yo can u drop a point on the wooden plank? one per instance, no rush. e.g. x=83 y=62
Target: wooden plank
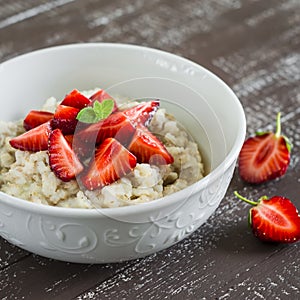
x=254 y=46
x=10 y=254
x=35 y=277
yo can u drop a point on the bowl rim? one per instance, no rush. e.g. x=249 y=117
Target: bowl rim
x=141 y=207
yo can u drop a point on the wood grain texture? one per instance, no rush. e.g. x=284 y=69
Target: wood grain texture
x=254 y=46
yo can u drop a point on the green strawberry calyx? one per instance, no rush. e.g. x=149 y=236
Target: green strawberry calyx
x=254 y=203
x=277 y=134
x=251 y=202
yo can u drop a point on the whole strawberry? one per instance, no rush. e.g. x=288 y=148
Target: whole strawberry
x=274 y=219
x=265 y=156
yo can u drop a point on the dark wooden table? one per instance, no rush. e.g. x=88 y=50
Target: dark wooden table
x=254 y=46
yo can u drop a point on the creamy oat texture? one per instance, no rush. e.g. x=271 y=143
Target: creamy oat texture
x=28 y=176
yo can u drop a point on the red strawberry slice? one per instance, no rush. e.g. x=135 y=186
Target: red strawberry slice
x=143 y=112
x=274 y=220
x=69 y=138
x=65 y=119
x=62 y=159
x=35 y=118
x=148 y=148
x=265 y=156
x=81 y=149
x=34 y=140
x=115 y=125
x=101 y=95
x=76 y=99
x=120 y=125
x=111 y=162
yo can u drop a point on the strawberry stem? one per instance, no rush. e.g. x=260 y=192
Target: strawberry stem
x=245 y=199
x=278 y=125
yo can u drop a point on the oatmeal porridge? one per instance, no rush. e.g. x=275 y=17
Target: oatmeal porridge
x=29 y=174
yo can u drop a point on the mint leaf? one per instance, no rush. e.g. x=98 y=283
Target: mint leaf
x=98 y=112
x=87 y=115
x=103 y=109
x=97 y=107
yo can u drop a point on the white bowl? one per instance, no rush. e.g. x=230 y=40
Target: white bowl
x=201 y=101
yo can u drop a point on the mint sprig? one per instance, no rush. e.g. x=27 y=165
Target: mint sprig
x=97 y=112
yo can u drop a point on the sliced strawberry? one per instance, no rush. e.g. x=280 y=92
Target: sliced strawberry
x=34 y=140
x=35 y=118
x=76 y=99
x=65 y=119
x=264 y=157
x=102 y=95
x=143 y=112
x=148 y=148
x=116 y=125
x=69 y=138
x=120 y=125
x=274 y=220
x=111 y=162
x=62 y=159
x=81 y=149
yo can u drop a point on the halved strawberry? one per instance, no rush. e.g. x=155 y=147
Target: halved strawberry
x=143 y=112
x=148 y=148
x=34 y=140
x=111 y=162
x=35 y=118
x=274 y=220
x=62 y=159
x=116 y=125
x=265 y=156
x=76 y=99
x=101 y=95
x=65 y=119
